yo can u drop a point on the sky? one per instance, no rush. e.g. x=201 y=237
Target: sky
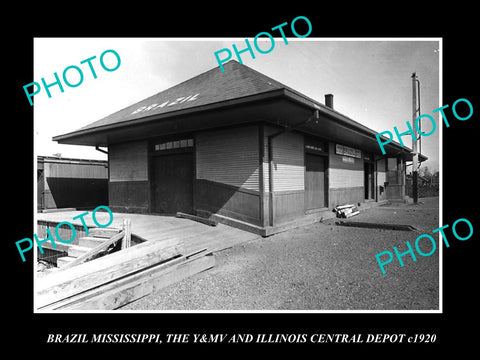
x=369 y=78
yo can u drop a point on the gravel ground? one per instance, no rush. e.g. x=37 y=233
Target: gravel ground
x=317 y=267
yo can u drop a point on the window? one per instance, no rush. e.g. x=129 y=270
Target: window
x=315 y=146
x=177 y=144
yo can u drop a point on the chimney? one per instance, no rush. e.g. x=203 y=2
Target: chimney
x=329 y=100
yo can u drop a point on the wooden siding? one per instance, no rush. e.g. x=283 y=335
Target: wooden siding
x=266 y=175
x=67 y=182
x=77 y=193
x=346 y=196
x=342 y=178
x=84 y=171
x=288 y=205
x=344 y=174
x=227 y=200
x=288 y=176
x=288 y=161
x=229 y=156
x=128 y=161
x=129 y=196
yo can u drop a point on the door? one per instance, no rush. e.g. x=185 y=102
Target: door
x=315 y=182
x=173 y=183
x=368 y=180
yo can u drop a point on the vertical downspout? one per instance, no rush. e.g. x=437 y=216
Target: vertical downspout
x=270 y=174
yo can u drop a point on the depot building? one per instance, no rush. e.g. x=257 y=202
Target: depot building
x=242 y=148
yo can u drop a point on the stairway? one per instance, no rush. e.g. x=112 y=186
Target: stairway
x=86 y=243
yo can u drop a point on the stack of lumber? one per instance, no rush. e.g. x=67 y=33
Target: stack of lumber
x=346 y=211
x=90 y=246
x=117 y=279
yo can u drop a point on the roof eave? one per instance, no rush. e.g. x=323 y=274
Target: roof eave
x=344 y=120
x=208 y=107
x=290 y=94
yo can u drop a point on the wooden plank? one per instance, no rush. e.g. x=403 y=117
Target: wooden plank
x=197 y=218
x=200 y=232
x=104 y=232
x=85 y=296
x=77 y=250
x=83 y=258
x=131 y=288
x=142 y=251
x=63 y=284
x=46 y=211
x=63 y=261
x=153 y=232
x=126 y=242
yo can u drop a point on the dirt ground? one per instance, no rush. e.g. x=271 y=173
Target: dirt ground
x=322 y=266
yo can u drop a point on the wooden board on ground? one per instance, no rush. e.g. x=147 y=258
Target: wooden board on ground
x=123 y=291
x=63 y=284
x=197 y=218
x=92 y=252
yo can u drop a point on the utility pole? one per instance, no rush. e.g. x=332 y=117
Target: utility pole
x=415 y=108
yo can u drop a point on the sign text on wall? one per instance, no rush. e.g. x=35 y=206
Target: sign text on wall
x=347 y=151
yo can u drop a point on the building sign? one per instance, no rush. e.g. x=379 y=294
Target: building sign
x=347 y=159
x=166 y=103
x=348 y=151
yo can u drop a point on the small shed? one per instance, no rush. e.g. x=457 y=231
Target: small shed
x=71 y=183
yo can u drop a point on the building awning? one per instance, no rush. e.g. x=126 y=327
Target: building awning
x=239 y=95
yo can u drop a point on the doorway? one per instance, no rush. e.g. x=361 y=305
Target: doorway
x=368 y=180
x=315 y=182
x=172 y=177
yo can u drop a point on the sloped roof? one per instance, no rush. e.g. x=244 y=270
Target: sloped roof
x=210 y=87
x=212 y=90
